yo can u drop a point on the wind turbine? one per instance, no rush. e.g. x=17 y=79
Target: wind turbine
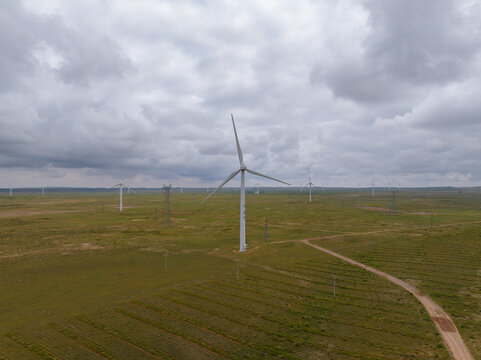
x=242 y=170
x=121 y=186
x=257 y=190
x=309 y=184
x=372 y=188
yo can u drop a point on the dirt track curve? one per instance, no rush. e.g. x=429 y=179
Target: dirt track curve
x=443 y=322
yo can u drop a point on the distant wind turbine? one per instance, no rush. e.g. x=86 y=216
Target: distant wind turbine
x=10 y=191
x=372 y=188
x=310 y=185
x=243 y=168
x=121 y=187
x=257 y=190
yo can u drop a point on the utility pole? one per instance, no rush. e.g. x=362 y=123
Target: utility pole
x=166 y=214
x=393 y=206
x=266 y=231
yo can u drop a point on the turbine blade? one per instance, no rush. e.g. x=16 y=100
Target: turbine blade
x=268 y=177
x=239 y=151
x=223 y=183
x=113 y=187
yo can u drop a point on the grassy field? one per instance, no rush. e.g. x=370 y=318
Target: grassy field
x=78 y=280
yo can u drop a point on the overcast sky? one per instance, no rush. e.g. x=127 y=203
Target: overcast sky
x=93 y=92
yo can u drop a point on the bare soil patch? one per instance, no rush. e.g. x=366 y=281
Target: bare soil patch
x=374 y=208
x=445 y=324
x=89 y=246
x=31 y=213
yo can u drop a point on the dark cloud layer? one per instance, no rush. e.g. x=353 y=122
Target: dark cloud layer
x=408 y=45
x=95 y=91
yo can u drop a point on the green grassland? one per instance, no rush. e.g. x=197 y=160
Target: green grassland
x=79 y=280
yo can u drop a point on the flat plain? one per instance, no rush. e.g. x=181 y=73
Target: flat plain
x=79 y=280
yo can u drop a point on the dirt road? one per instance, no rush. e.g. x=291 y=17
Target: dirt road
x=443 y=322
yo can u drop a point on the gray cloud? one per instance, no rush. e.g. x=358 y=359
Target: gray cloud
x=92 y=91
x=408 y=44
x=16 y=40
x=424 y=42
x=88 y=61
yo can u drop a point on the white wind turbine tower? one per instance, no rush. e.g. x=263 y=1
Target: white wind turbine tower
x=372 y=188
x=257 y=190
x=310 y=185
x=243 y=168
x=121 y=186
